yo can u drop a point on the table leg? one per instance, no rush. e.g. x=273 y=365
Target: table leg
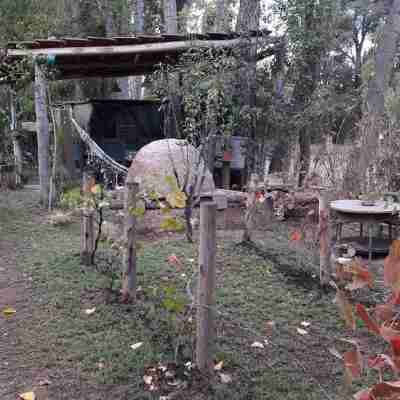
x=361 y=231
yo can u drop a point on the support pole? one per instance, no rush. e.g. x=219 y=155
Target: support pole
x=43 y=134
x=129 y=280
x=226 y=175
x=87 y=224
x=324 y=239
x=206 y=287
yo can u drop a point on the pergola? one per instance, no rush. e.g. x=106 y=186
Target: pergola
x=103 y=57
x=80 y=58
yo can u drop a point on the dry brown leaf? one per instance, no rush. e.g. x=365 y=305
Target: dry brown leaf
x=218 y=367
x=225 y=378
x=27 y=396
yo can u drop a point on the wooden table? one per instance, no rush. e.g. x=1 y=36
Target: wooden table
x=353 y=211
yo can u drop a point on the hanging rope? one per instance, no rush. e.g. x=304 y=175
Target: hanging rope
x=94 y=148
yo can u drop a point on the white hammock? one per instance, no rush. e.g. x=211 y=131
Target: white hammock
x=94 y=148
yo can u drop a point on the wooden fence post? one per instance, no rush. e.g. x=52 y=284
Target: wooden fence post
x=87 y=223
x=129 y=280
x=324 y=239
x=251 y=204
x=206 y=287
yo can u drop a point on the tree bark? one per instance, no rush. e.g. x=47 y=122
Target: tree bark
x=170 y=16
x=18 y=159
x=138 y=14
x=43 y=134
x=248 y=19
x=374 y=114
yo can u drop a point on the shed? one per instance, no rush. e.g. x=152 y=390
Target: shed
x=120 y=127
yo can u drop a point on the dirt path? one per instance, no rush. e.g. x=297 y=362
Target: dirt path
x=14 y=289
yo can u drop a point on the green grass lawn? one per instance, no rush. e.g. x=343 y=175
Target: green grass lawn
x=89 y=356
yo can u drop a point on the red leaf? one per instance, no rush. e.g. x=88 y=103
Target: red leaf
x=384 y=312
x=396 y=347
x=363 y=395
x=391 y=272
x=381 y=361
x=353 y=363
x=174 y=260
x=394 y=299
x=369 y=322
x=295 y=236
x=385 y=391
x=389 y=333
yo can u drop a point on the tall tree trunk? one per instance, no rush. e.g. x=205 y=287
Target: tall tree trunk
x=43 y=134
x=136 y=82
x=18 y=159
x=374 y=113
x=308 y=66
x=170 y=16
x=221 y=23
x=248 y=19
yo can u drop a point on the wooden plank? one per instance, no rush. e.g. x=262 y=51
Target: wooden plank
x=101 y=41
x=125 y=49
x=205 y=335
x=51 y=43
x=29 y=126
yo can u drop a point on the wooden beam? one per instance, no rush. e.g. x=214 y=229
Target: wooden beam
x=125 y=49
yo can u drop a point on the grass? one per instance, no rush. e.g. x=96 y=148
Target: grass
x=90 y=355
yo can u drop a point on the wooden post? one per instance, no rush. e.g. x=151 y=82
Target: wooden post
x=87 y=223
x=249 y=217
x=129 y=280
x=226 y=175
x=43 y=134
x=324 y=239
x=206 y=287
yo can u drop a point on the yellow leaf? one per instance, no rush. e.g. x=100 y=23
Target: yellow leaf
x=172 y=224
x=27 y=396
x=218 y=367
x=177 y=199
x=9 y=311
x=138 y=211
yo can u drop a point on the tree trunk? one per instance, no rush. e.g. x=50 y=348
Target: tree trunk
x=248 y=19
x=18 y=159
x=137 y=81
x=170 y=16
x=43 y=134
x=385 y=54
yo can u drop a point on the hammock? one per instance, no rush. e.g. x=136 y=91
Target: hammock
x=95 y=149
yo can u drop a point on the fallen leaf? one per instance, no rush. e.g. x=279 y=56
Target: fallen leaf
x=174 y=260
x=27 y=396
x=225 y=378
x=305 y=324
x=335 y=353
x=385 y=391
x=44 y=382
x=9 y=311
x=302 y=331
x=218 y=367
x=380 y=361
x=258 y=345
x=90 y=311
x=295 y=236
x=148 y=379
x=136 y=345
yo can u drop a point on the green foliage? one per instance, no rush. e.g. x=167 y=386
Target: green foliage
x=71 y=199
